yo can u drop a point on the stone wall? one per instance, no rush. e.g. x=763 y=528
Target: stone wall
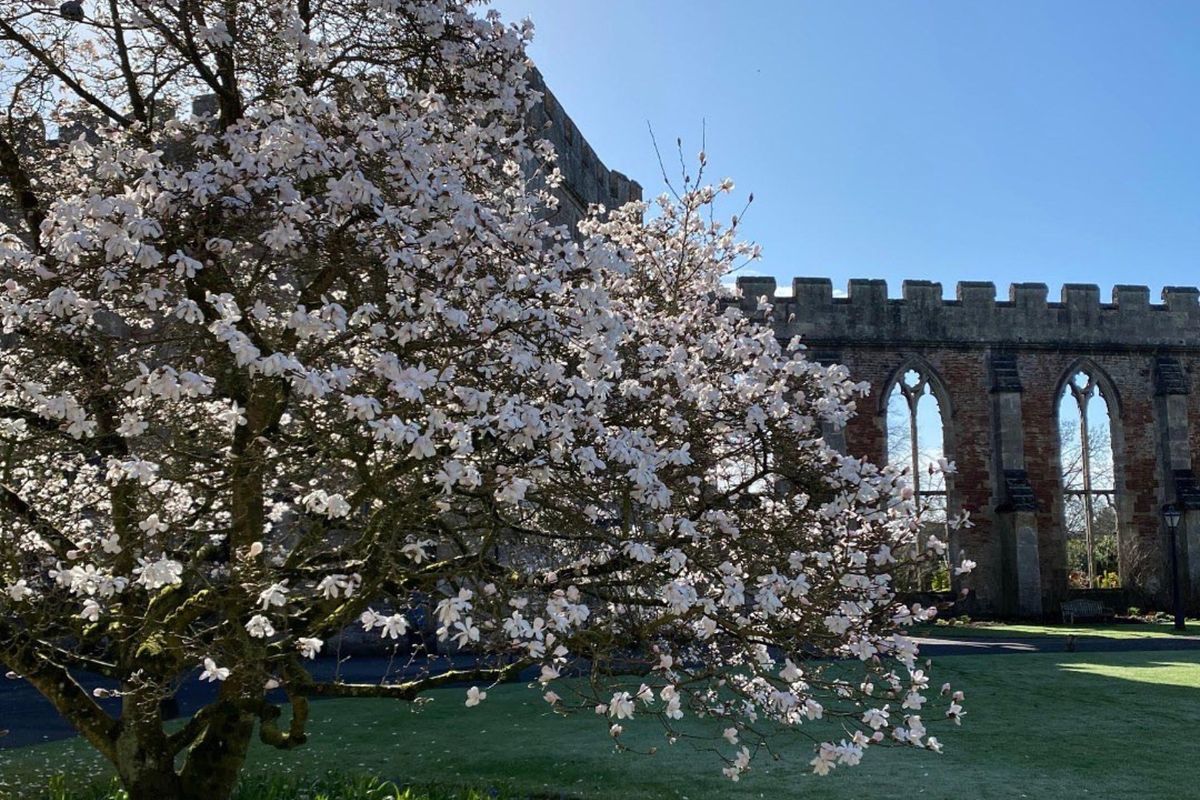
x=999 y=368
x=586 y=181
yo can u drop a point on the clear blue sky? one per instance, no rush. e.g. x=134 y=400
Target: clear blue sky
x=957 y=140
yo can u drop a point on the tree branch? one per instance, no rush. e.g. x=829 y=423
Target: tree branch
x=16 y=505
x=57 y=684
x=409 y=690
x=40 y=55
x=268 y=728
x=136 y=101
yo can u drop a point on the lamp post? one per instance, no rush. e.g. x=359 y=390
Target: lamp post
x=1171 y=515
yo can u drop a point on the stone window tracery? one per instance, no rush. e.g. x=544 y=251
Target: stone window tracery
x=1089 y=492
x=916 y=443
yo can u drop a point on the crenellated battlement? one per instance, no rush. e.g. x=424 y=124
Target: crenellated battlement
x=977 y=317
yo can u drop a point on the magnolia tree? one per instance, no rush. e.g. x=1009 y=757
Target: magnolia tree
x=315 y=358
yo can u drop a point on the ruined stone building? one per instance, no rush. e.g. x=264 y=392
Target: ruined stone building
x=1005 y=374
x=992 y=383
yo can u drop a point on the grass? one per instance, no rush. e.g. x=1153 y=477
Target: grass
x=1038 y=725
x=338 y=786
x=332 y=786
x=1129 y=631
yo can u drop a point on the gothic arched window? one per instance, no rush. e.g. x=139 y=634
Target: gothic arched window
x=916 y=443
x=1089 y=489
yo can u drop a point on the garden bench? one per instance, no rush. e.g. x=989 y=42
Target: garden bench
x=1084 y=608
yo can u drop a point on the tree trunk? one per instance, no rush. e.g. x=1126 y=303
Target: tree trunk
x=143 y=762
x=214 y=761
x=149 y=781
x=146 y=764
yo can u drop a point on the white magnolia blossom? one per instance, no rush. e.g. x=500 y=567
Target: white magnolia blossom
x=309 y=646
x=152 y=525
x=317 y=347
x=621 y=706
x=212 y=672
x=393 y=626
x=260 y=627
x=274 y=595
x=161 y=572
x=91 y=610
x=333 y=586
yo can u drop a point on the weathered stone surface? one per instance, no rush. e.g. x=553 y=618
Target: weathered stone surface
x=586 y=181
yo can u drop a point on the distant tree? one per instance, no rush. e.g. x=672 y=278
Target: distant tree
x=1100 y=479
x=272 y=370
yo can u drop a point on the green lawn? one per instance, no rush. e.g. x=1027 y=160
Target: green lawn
x=1044 y=725
x=976 y=630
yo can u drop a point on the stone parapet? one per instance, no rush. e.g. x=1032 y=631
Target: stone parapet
x=976 y=317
